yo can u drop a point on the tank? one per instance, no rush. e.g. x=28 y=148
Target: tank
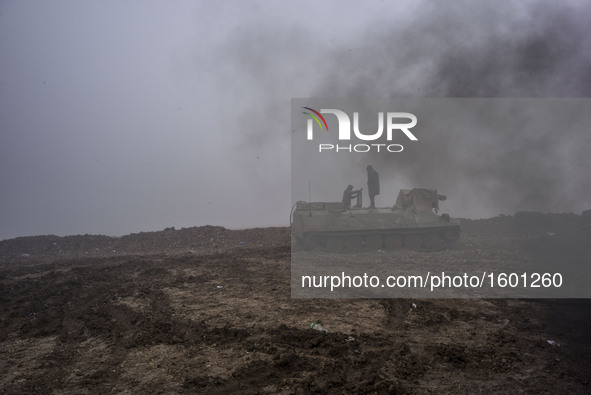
x=413 y=223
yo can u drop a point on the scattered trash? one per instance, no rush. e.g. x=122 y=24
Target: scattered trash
x=31 y=315
x=318 y=327
x=350 y=339
x=553 y=343
x=220 y=287
x=242 y=242
x=25 y=255
x=414 y=306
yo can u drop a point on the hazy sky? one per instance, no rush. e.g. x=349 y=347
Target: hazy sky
x=128 y=116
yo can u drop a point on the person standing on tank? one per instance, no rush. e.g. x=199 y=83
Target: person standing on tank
x=373 y=185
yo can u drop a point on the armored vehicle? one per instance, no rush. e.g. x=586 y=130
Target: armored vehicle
x=411 y=223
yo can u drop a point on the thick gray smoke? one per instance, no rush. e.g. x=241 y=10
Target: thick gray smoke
x=469 y=49
x=116 y=119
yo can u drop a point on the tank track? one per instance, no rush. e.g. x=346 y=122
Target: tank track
x=426 y=239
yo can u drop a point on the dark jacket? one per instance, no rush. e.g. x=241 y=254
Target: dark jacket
x=348 y=195
x=373 y=182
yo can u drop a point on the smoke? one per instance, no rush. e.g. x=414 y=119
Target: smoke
x=471 y=50
x=463 y=50
x=195 y=124
x=468 y=49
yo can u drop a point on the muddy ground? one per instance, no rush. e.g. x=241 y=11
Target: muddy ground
x=208 y=310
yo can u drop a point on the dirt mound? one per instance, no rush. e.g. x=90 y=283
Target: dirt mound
x=195 y=240
x=525 y=224
x=209 y=310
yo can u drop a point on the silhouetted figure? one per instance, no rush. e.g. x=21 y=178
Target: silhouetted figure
x=373 y=185
x=349 y=194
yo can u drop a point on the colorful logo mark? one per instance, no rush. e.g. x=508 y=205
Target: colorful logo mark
x=315 y=117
